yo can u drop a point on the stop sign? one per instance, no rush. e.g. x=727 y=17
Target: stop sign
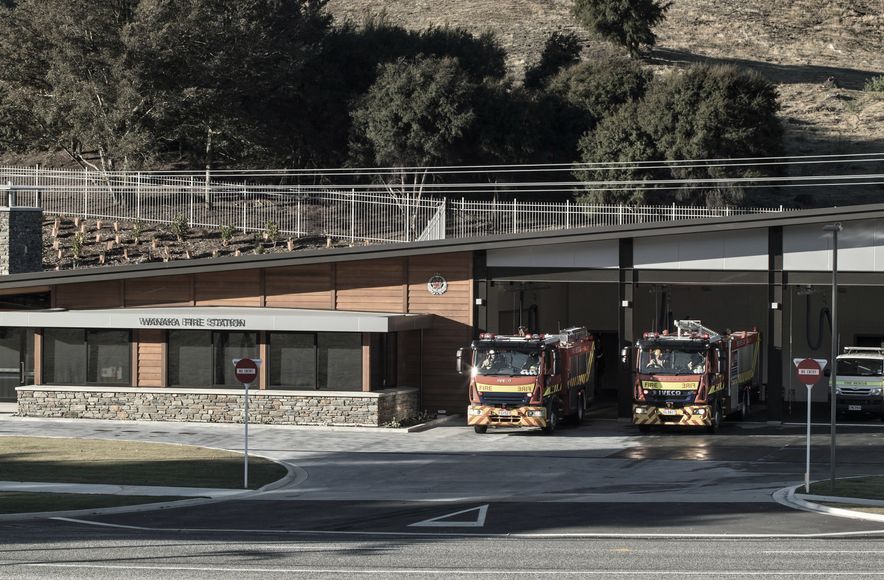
x=809 y=371
x=246 y=371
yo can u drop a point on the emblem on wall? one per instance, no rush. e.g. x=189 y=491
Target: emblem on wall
x=437 y=285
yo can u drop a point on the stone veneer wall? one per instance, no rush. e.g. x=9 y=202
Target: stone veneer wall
x=219 y=406
x=21 y=240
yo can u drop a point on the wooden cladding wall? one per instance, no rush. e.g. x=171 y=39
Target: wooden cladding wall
x=164 y=291
x=89 y=295
x=371 y=286
x=151 y=357
x=299 y=287
x=232 y=288
x=386 y=285
x=442 y=387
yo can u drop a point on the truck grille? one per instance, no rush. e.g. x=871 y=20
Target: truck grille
x=509 y=399
x=855 y=391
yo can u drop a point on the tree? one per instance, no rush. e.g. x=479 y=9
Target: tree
x=64 y=78
x=627 y=22
x=706 y=112
x=598 y=87
x=560 y=51
x=417 y=114
x=227 y=78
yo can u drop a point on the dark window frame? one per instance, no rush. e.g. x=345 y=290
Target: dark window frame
x=212 y=349
x=126 y=382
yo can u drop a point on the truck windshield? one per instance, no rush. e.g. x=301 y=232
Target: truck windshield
x=496 y=361
x=663 y=360
x=859 y=367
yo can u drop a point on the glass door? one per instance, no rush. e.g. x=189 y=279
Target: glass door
x=16 y=360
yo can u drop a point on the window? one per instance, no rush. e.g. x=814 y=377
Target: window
x=292 y=360
x=340 y=361
x=203 y=358
x=323 y=360
x=94 y=357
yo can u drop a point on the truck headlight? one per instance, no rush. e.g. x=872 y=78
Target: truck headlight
x=640 y=410
x=699 y=411
x=475 y=412
x=838 y=391
x=536 y=413
x=875 y=392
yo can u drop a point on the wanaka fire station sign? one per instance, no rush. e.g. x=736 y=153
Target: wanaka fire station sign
x=190 y=322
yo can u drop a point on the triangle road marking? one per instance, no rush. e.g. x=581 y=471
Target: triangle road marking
x=444 y=522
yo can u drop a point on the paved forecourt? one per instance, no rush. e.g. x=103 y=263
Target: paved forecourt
x=602 y=478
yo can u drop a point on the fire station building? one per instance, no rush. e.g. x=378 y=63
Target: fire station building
x=364 y=335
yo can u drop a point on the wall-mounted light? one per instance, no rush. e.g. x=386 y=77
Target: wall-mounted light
x=480 y=302
x=625 y=303
x=776 y=305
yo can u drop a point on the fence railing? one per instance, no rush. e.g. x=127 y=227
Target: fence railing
x=479 y=218
x=150 y=198
x=296 y=211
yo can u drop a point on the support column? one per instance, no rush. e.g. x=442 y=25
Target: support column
x=480 y=293
x=625 y=327
x=774 y=335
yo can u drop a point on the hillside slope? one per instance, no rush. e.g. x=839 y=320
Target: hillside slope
x=799 y=44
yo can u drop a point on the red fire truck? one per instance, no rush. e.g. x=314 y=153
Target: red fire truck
x=529 y=381
x=693 y=377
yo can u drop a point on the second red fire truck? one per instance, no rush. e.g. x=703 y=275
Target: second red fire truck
x=693 y=377
x=529 y=381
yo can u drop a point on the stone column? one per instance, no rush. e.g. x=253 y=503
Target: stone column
x=21 y=240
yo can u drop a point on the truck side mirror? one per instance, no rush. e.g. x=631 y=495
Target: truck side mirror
x=827 y=372
x=554 y=364
x=719 y=362
x=460 y=361
x=624 y=355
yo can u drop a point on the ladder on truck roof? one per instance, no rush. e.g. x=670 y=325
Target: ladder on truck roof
x=685 y=328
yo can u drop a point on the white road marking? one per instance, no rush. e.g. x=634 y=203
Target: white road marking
x=444 y=522
x=447 y=572
x=589 y=535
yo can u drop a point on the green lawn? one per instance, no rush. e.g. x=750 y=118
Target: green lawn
x=871 y=487
x=128 y=463
x=19 y=503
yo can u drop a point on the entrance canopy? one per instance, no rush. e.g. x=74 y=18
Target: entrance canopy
x=219 y=318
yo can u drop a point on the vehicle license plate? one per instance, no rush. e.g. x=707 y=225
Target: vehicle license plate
x=504 y=413
x=854 y=407
x=669 y=411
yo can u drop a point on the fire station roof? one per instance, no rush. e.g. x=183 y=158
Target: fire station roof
x=518 y=240
x=220 y=318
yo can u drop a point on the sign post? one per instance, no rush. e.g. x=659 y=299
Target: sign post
x=809 y=372
x=246 y=371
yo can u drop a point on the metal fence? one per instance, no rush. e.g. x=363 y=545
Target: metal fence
x=307 y=211
x=479 y=218
x=249 y=207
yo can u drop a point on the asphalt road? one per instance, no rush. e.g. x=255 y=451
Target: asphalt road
x=595 y=501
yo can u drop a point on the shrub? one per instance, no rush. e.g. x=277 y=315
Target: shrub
x=627 y=22
x=707 y=112
x=874 y=84
x=561 y=50
x=138 y=229
x=179 y=227
x=271 y=231
x=598 y=87
x=77 y=243
x=227 y=233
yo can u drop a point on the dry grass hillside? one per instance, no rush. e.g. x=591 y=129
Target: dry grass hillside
x=799 y=44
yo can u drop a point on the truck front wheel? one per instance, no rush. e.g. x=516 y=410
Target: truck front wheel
x=715 y=422
x=480 y=429
x=552 y=419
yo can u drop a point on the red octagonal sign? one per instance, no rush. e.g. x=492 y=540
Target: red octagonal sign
x=809 y=371
x=246 y=370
